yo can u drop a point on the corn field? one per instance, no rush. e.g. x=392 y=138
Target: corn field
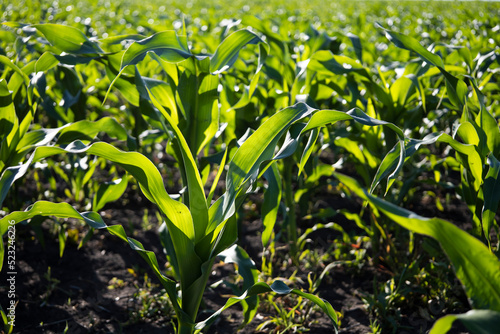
x=261 y=167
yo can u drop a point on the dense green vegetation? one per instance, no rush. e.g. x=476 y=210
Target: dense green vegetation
x=219 y=113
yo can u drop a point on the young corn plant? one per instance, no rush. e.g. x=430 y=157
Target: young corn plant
x=475 y=139
x=200 y=231
x=474 y=264
x=198 y=234
x=18 y=140
x=197 y=230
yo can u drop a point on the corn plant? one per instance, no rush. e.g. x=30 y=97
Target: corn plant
x=474 y=264
x=18 y=140
x=195 y=248
x=198 y=232
x=218 y=99
x=476 y=152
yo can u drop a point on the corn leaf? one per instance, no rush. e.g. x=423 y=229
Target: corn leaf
x=468 y=154
x=46 y=62
x=272 y=199
x=108 y=192
x=7 y=62
x=166 y=44
x=475 y=266
x=457 y=89
x=94 y=220
x=313 y=137
x=197 y=200
x=489 y=131
x=248 y=271
x=249 y=90
x=198 y=99
x=260 y=146
x=278 y=287
x=491 y=193
x=477 y=321
x=9 y=124
x=68 y=39
x=227 y=52
x=87 y=130
x=177 y=215
x=326 y=62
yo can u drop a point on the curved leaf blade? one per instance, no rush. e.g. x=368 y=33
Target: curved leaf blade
x=68 y=39
x=491 y=193
x=227 y=52
x=278 y=287
x=95 y=221
x=476 y=267
x=272 y=199
x=166 y=44
x=255 y=149
x=477 y=321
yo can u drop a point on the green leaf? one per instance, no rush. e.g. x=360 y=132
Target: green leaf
x=9 y=125
x=477 y=321
x=197 y=200
x=392 y=161
x=68 y=39
x=359 y=116
x=227 y=51
x=222 y=165
x=2 y=253
x=46 y=62
x=248 y=271
x=125 y=84
x=260 y=145
x=400 y=91
x=61 y=235
x=249 y=91
x=457 y=89
x=87 y=130
x=176 y=214
x=491 y=194
x=390 y=166
x=166 y=44
x=326 y=62
x=272 y=199
x=94 y=220
x=468 y=133
x=308 y=149
x=475 y=266
x=7 y=62
x=356 y=44
x=490 y=131
x=470 y=157
x=324 y=117
x=411 y=44
x=278 y=287
x=113 y=40
x=109 y=192
x=197 y=92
